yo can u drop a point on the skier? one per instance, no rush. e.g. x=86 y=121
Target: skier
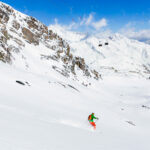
x=91 y=118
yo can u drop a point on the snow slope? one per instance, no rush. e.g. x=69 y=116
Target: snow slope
x=49 y=114
x=41 y=109
x=122 y=55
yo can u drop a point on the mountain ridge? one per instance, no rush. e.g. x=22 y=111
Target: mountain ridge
x=109 y=53
x=23 y=38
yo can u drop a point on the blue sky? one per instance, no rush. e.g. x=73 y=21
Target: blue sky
x=119 y=15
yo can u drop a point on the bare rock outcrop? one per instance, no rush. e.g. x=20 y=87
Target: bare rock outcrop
x=29 y=36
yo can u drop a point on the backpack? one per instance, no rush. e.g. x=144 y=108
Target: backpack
x=89 y=117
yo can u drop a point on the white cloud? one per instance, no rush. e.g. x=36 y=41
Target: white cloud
x=71 y=26
x=86 y=20
x=142 y=35
x=89 y=24
x=89 y=20
x=71 y=10
x=56 y=21
x=85 y=23
x=82 y=21
x=99 y=24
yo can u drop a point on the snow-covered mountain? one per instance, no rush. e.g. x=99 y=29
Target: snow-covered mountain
x=47 y=90
x=109 y=54
x=27 y=44
x=23 y=37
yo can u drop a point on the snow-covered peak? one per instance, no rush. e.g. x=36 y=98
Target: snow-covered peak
x=2 y=5
x=67 y=34
x=109 y=54
x=10 y=10
x=28 y=44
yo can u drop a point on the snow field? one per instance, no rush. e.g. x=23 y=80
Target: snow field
x=45 y=115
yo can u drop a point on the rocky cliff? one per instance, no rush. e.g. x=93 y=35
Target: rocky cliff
x=21 y=34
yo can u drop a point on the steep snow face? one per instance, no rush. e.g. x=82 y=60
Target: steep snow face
x=111 y=54
x=28 y=44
